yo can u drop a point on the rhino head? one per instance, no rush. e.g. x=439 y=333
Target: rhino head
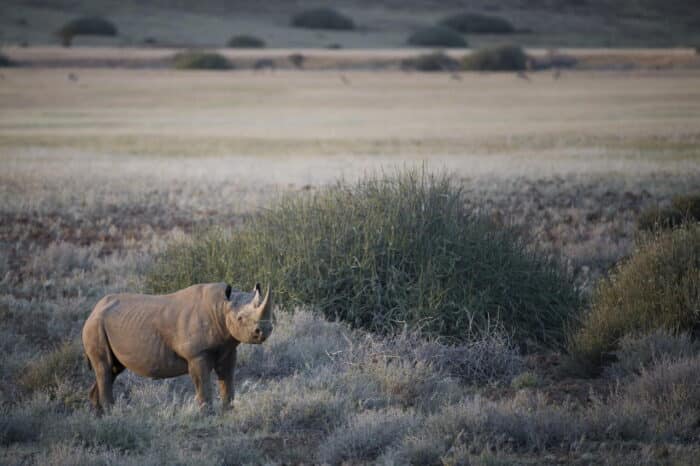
x=249 y=316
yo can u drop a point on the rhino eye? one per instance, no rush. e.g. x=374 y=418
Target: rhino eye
x=240 y=318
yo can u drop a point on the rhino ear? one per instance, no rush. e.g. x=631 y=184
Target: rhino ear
x=228 y=292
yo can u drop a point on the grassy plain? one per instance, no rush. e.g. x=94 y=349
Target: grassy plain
x=99 y=168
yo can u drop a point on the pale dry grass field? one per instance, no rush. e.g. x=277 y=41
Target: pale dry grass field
x=99 y=173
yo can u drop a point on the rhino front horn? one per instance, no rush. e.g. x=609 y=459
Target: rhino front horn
x=266 y=305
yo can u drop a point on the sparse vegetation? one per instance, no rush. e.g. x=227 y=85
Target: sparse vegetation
x=195 y=60
x=476 y=23
x=436 y=61
x=391 y=250
x=86 y=26
x=245 y=41
x=657 y=288
x=437 y=36
x=323 y=18
x=499 y=58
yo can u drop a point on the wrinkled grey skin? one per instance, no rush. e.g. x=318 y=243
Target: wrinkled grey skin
x=195 y=331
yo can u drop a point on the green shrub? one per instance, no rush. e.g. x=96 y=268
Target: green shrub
x=658 y=287
x=86 y=26
x=194 y=60
x=683 y=209
x=322 y=18
x=475 y=23
x=498 y=58
x=246 y=42
x=437 y=36
x=436 y=61
x=66 y=362
x=385 y=252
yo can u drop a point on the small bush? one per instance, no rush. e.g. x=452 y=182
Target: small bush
x=683 y=209
x=475 y=23
x=322 y=18
x=665 y=398
x=658 y=287
x=193 y=60
x=365 y=437
x=437 y=36
x=499 y=58
x=115 y=431
x=86 y=26
x=383 y=253
x=17 y=427
x=5 y=61
x=639 y=352
x=436 y=61
x=246 y=42
x=46 y=372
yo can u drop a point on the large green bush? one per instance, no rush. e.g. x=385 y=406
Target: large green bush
x=322 y=18
x=657 y=288
x=382 y=253
x=475 y=23
x=498 y=58
x=195 y=60
x=86 y=26
x=437 y=36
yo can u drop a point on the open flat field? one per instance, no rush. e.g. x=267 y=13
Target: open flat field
x=101 y=168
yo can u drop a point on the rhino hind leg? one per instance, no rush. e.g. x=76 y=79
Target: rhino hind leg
x=106 y=367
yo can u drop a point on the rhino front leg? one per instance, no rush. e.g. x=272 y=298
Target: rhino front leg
x=225 y=367
x=200 y=371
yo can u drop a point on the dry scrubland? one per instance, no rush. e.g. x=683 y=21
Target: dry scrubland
x=101 y=172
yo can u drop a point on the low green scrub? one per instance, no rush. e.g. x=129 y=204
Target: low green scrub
x=475 y=23
x=322 y=18
x=498 y=58
x=683 y=209
x=657 y=288
x=47 y=371
x=194 y=60
x=244 y=41
x=387 y=252
x=437 y=36
x=86 y=26
x=436 y=61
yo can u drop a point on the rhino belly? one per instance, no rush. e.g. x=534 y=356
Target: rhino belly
x=146 y=354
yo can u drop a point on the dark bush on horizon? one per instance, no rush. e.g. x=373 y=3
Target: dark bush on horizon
x=437 y=36
x=196 y=60
x=386 y=252
x=86 y=26
x=475 y=23
x=245 y=41
x=323 y=18
x=497 y=58
x=436 y=61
